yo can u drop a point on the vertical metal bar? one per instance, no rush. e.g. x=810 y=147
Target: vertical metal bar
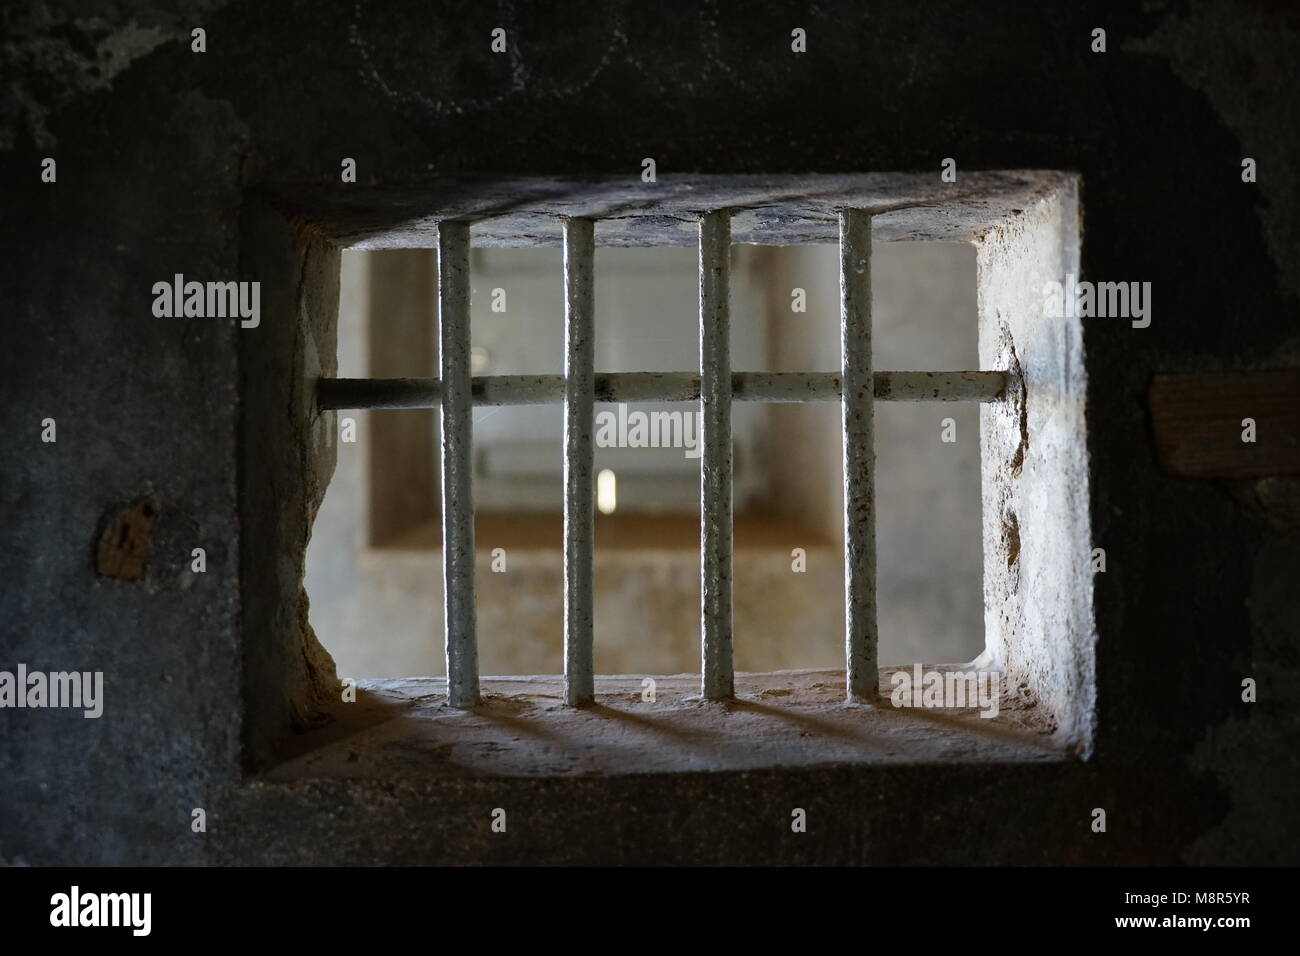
x=860 y=637
x=579 y=489
x=457 y=490
x=717 y=682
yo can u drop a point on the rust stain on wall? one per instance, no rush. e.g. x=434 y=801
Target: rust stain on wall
x=127 y=540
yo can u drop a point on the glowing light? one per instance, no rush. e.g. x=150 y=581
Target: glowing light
x=606 y=492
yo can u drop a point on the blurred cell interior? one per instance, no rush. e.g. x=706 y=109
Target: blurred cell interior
x=373 y=563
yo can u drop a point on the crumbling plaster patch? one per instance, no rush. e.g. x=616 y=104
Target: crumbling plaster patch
x=51 y=56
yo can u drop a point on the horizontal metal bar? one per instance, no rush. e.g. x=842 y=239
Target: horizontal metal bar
x=350 y=393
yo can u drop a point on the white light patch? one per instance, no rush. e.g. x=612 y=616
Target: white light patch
x=606 y=492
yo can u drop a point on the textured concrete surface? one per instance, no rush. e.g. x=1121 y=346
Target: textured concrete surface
x=768 y=210
x=1038 y=577
x=159 y=152
x=404 y=728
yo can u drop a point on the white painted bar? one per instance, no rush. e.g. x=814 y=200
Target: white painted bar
x=459 y=617
x=858 y=406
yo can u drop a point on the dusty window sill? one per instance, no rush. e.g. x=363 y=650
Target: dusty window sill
x=402 y=728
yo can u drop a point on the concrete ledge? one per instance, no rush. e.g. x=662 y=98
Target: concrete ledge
x=766 y=210
x=403 y=729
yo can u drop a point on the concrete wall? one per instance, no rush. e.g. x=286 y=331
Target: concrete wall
x=160 y=151
x=1038 y=582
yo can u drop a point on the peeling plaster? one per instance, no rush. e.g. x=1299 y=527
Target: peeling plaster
x=50 y=58
x=1217 y=49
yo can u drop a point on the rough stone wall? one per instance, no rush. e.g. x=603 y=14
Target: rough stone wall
x=158 y=150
